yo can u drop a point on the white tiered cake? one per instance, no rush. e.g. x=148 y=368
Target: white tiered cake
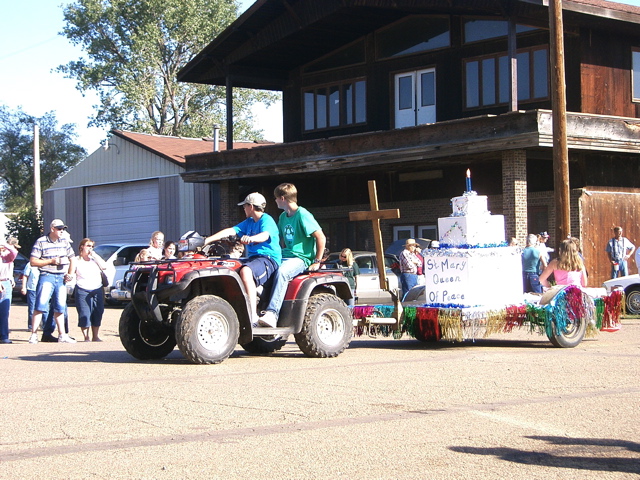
x=471 y=223
x=473 y=266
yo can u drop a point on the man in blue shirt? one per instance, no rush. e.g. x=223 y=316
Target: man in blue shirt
x=259 y=233
x=619 y=250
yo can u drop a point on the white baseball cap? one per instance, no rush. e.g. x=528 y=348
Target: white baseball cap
x=254 y=199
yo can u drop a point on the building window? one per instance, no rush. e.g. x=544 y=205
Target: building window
x=635 y=74
x=487 y=78
x=335 y=105
x=476 y=30
x=353 y=54
x=413 y=35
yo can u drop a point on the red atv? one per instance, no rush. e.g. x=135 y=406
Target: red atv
x=199 y=303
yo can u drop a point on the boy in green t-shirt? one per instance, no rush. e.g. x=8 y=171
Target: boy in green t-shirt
x=303 y=245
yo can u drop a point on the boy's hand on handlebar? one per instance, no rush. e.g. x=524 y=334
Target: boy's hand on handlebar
x=246 y=239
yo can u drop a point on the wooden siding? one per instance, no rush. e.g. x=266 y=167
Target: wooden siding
x=606 y=74
x=602 y=209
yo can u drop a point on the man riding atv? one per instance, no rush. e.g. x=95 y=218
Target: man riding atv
x=200 y=302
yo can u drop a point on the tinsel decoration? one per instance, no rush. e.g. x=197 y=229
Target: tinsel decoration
x=450 y=324
x=613 y=305
x=455 y=323
x=516 y=317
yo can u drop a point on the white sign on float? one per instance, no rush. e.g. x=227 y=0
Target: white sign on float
x=473 y=277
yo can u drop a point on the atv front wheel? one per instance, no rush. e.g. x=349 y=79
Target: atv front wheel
x=327 y=327
x=144 y=340
x=207 y=331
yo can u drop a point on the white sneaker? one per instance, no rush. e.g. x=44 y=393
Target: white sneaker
x=65 y=338
x=33 y=338
x=268 y=319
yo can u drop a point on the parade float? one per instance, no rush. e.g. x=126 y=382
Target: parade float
x=473 y=289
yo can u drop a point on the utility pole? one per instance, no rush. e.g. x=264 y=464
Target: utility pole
x=36 y=169
x=559 y=116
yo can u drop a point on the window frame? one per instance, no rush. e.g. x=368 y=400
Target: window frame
x=496 y=57
x=347 y=115
x=635 y=70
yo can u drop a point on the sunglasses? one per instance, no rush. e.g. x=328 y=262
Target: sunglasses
x=60 y=228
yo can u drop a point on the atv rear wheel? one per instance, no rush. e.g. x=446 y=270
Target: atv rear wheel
x=144 y=340
x=327 y=327
x=262 y=345
x=207 y=331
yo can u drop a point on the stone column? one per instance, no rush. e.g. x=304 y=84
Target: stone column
x=514 y=194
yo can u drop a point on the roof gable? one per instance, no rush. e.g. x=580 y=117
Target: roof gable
x=175 y=149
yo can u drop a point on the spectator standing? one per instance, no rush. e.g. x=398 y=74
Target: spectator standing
x=409 y=263
x=543 y=237
x=259 y=233
x=30 y=277
x=53 y=255
x=350 y=272
x=8 y=254
x=169 y=252
x=619 y=250
x=89 y=293
x=531 y=262
x=156 y=245
x=303 y=241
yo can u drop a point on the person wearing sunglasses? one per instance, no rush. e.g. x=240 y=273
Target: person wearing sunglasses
x=53 y=255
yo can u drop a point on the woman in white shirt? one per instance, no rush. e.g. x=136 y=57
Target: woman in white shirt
x=89 y=290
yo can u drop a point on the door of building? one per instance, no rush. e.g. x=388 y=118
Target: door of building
x=415 y=98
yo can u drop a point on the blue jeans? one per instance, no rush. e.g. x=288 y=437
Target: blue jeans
x=31 y=301
x=531 y=282
x=90 y=306
x=5 y=305
x=51 y=288
x=622 y=269
x=407 y=282
x=289 y=268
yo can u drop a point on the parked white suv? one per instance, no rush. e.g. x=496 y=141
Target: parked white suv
x=118 y=257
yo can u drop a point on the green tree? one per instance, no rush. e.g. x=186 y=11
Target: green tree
x=134 y=50
x=27 y=227
x=58 y=154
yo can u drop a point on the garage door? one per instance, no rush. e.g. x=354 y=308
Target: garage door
x=123 y=212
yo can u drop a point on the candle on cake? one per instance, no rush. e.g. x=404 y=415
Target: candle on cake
x=468 y=180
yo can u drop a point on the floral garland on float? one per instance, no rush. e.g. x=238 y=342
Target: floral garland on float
x=458 y=323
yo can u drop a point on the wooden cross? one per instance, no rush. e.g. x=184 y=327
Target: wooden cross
x=375 y=216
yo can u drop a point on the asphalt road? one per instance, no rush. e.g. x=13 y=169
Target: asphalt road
x=511 y=406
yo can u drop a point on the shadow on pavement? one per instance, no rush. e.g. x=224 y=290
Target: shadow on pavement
x=587 y=461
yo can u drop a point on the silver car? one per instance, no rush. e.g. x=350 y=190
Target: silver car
x=369 y=291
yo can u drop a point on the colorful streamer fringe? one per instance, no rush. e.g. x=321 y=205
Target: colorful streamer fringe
x=432 y=323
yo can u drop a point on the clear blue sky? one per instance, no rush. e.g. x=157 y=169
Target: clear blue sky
x=30 y=49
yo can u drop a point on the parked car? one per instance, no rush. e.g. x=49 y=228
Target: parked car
x=631 y=286
x=369 y=291
x=118 y=257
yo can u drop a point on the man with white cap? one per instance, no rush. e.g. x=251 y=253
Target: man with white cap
x=259 y=233
x=53 y=256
